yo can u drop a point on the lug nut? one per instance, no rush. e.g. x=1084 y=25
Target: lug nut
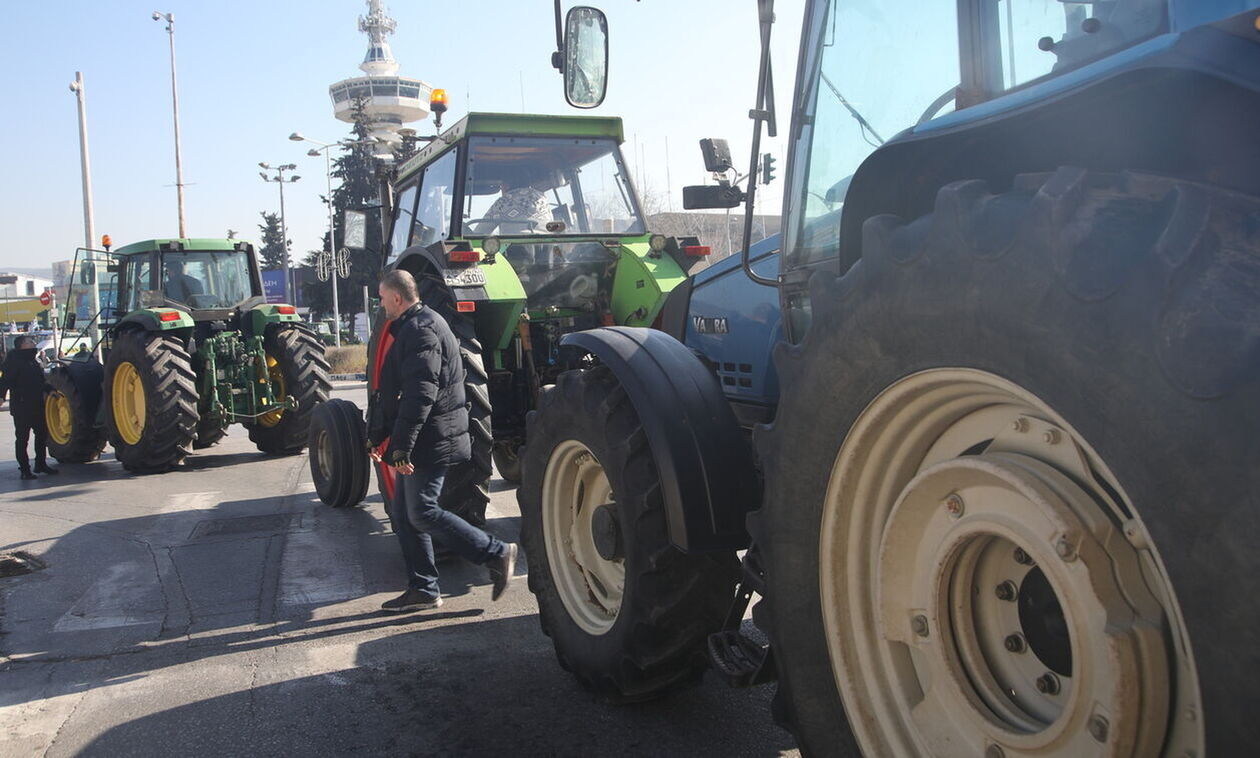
x=1065 y=550
x=1052 y=437
x=954 y=505
x=1098 y=728
x=1006 y=590
x=1022 y=557
x=1015 y=643
x=1048 y=684
x=919 y=625
x=1020 y=424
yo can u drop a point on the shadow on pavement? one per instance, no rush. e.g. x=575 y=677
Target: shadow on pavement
x=454 y=690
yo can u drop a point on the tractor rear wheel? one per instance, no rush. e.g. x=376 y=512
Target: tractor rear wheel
x=1024 y=523
x=338 y=452
x=151 y=393
x=297 y=368
x=628 y=612
x=70 y=414
x=466 y=491
x=209 y=434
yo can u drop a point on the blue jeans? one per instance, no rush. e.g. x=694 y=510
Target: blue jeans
x=416 y=515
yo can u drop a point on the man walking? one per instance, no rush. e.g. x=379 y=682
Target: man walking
x=425 y=416
x=23 y=382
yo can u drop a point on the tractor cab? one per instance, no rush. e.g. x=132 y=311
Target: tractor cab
x=208 y=279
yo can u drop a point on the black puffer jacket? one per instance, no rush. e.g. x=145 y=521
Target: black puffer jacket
x=421 y=401
x=23 y=382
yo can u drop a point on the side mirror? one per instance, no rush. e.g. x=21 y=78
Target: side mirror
x=355 y=230
x=712 y=196
x=113 y=268
x=717 y=155
x=585 y=61
x=87 y=273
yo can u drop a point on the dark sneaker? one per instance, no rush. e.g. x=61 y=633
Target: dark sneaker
x=28 y=475
x=412 y=600
x=44 y=468
x=501 y=570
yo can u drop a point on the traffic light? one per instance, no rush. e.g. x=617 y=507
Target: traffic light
x=767 y=168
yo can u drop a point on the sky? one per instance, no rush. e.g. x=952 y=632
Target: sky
x=251 y=73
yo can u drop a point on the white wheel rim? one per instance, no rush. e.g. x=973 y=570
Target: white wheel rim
x=937 y=484
x=574 y=486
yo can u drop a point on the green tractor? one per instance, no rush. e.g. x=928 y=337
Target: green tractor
x=519 y=229
x=191 y=346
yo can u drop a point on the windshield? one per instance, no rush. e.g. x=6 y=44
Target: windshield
x=548 y=185
x=874 y=68
x=206 y=280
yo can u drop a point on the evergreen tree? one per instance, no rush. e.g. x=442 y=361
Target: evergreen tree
x=359 y=189
x=271 y=252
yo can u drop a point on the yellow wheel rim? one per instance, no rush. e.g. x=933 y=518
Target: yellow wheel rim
x=278 y=391
x=57 y=416
x=128 y=403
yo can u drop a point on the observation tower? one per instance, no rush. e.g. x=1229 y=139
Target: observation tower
x=389 y=99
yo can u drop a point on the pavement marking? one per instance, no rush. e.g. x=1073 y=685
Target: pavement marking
x=320 y=565
x=123 y=596
x=188 y=501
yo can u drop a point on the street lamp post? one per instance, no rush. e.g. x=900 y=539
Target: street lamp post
x=89 y=232
x=289 y=291
x=169 y=18
x=332 y=227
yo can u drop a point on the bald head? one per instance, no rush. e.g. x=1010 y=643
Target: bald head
x=398 y=292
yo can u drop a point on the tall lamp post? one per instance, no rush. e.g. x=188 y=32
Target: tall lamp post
x=89 y=232
x=332 y=228
x=169 y=18
x=280 y=179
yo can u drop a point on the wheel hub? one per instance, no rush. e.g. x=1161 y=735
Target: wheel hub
x=57 y=417
x=1010 y=611
x=129 y=404
x=584 y=546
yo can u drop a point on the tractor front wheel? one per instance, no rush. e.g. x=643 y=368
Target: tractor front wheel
x=152 y=395
x=339 y=455
x=296 y=367
x=70 y=414
x=628 y=612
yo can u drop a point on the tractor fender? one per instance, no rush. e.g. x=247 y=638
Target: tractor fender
x=151 y=320
x=88 y=378
x=704 y=460
x=261 y=317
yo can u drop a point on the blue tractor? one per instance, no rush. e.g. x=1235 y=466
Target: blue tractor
x=999 y=492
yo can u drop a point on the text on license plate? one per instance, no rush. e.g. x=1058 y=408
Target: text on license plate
x=468 y=277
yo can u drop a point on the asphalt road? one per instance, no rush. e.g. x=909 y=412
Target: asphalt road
x=220 y=609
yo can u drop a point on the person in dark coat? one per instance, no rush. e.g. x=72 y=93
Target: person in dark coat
x=23 y=383
x=423 y=413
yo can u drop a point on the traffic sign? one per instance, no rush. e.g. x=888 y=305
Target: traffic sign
x=45 y=298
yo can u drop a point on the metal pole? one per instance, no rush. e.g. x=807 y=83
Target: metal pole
x=332 y=247
x=367 y=312
x=89 y=230
x=179 y=169
x=284 y=242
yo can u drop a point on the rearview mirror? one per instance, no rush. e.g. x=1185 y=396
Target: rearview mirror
x=712 y=196
x=87 y=273
x=717 y=155
x=585 y=57
x=355 y=227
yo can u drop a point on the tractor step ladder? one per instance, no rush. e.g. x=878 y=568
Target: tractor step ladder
x=740 y=659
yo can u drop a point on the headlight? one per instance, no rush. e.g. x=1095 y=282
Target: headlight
x=491 y=245
x=657 y=242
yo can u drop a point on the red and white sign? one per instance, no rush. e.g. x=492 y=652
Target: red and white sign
x=45 y=298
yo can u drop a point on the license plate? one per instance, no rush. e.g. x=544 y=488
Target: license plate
x=468 y=277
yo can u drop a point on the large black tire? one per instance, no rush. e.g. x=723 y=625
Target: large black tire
x=466 y=490
x=299 y=357
x=1128 y=305
x=507 y=461
x=338 y=452
x=76 y=391
x=671 y=601
x=209 y=434
x=170 y=401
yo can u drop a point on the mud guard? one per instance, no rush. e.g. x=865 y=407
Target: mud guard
x=704 y=460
